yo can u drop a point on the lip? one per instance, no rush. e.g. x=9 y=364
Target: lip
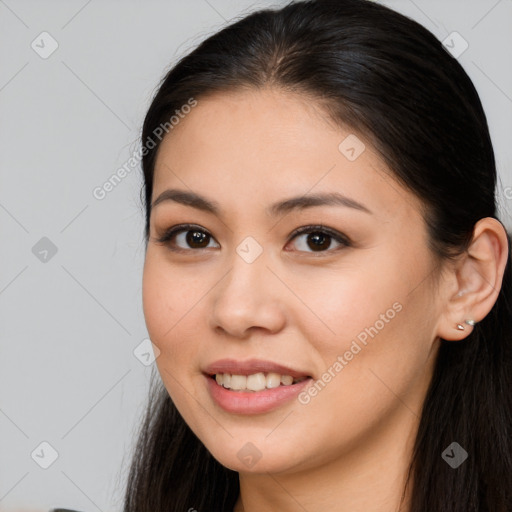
x=253 y=402
x=251 y=366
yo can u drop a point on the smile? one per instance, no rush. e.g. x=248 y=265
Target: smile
x=246 y=402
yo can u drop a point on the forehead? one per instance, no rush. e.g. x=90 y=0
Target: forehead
x=259 y=146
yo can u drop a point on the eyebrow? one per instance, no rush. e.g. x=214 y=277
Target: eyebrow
x=294 y=203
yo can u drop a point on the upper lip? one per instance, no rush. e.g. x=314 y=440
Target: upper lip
x=250 y=367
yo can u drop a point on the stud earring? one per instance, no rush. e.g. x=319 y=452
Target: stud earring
x=471 y=322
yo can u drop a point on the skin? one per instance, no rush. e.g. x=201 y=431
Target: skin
x=349 y=447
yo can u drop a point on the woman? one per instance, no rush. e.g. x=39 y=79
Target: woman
x=326 y=282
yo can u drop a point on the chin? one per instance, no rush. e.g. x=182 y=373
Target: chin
x=255 y=454
x=258 y=464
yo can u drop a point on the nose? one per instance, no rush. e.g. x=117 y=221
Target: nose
x=247 y=299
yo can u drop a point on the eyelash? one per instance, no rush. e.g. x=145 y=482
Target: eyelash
x=165 y=239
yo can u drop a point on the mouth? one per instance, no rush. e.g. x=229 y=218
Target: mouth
x=253 y=386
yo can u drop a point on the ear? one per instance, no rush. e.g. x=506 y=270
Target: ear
x=474 y=283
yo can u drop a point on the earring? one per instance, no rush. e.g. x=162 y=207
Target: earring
x=471 y=322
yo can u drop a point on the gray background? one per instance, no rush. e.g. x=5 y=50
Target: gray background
x=70 y=321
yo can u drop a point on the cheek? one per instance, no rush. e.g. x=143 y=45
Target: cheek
x=170 y=301
x=367 y=325
x=380 y=350
x=346 y=304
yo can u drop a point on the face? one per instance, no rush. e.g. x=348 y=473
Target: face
x=348 y=303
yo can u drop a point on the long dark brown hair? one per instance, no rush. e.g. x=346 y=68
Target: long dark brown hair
x=385 y=76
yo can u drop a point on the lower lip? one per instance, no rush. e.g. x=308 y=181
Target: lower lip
x=253 y=402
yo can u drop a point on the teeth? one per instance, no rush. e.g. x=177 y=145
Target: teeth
x=286 y=380
x=255 y=382
x=238 y=382
x=273 y=380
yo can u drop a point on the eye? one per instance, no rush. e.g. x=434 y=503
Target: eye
x=186 y=237
x=319 y=238
x=194 y=236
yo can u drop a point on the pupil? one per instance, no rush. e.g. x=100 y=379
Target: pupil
x=320 y=241
x=196 y=237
